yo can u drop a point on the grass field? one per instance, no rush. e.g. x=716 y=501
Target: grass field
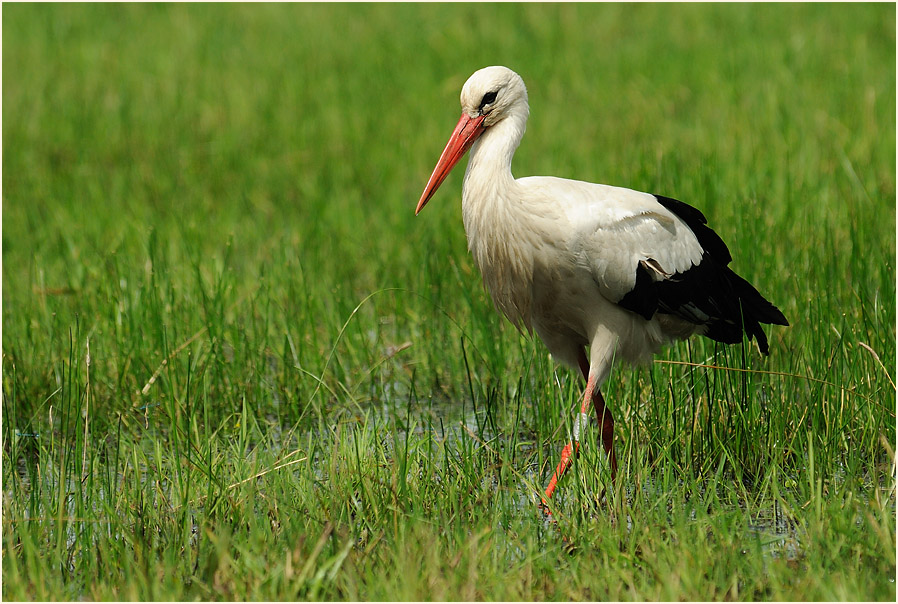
x=236 y=366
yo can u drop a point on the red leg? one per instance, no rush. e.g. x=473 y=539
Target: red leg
x=570 y=449
x=606 y=421
x=573 y=447
x=603 y=414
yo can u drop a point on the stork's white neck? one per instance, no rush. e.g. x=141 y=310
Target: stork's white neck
x=496 y=221
x=488 y=176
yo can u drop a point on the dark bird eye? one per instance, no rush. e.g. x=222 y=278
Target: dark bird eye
x=488 y=98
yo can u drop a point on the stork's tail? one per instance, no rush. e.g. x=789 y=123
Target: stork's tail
x=751 y=309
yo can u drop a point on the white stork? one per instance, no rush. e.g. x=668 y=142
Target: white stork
x=588 y=266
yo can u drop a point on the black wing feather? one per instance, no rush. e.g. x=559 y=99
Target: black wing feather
x=708 y=293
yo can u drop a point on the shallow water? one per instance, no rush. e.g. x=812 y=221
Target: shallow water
x=454 y=430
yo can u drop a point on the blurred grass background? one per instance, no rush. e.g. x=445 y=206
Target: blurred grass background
x=222 y=197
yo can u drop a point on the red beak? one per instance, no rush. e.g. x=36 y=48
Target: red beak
x=466 y=132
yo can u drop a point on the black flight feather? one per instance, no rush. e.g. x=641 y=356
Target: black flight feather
x=708 y=293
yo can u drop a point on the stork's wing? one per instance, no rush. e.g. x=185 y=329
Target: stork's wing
x=623 y=236
x=653 y=254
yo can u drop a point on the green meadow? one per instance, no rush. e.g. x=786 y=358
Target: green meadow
x=237 y=367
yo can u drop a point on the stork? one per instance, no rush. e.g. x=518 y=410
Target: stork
x=600 y=273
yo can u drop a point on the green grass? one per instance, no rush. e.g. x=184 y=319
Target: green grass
x=236 y=366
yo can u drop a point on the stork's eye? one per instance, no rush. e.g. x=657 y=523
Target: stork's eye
x=488 y=98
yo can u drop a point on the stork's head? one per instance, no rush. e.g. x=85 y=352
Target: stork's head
x=490 y=95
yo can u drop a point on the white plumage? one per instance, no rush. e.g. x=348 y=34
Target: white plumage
x=587 y=266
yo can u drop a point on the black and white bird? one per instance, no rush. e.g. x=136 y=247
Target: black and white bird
x=600 y=273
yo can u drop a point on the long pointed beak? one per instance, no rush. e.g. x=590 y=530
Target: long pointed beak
x=466 y=132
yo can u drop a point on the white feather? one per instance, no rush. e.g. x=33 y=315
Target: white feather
x=555 y=254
